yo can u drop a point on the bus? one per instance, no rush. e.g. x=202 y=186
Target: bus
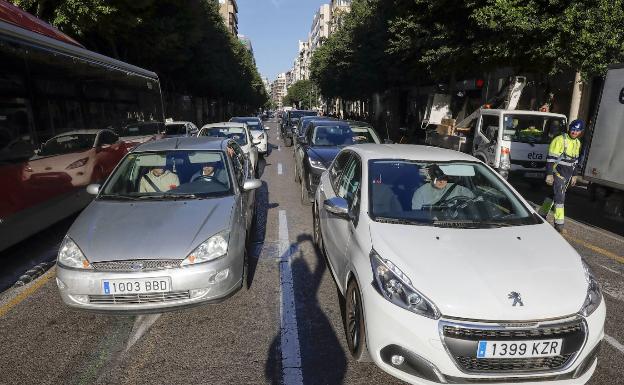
x=67 y=116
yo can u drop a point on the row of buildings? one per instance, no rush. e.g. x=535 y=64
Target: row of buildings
x=326 y=21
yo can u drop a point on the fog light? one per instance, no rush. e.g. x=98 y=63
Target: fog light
x=80 y=298
x=195 y=293
x=397 y=360
x=60 y=284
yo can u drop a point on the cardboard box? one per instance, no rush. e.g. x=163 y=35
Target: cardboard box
x=448 y=122
x=443 y=129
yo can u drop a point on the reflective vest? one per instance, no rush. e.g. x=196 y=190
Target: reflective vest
x=563 y=152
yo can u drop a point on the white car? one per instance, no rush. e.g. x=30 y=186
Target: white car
x=258 y=131
x=237 y=131
x=180 y=129
x=449 y=276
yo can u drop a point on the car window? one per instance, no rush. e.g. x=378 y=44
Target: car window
x=331 y=135
x=350 y=181
x=239 y=134
x=161 y=174
x=175 y=129
x=337 y=167
x=238 y=161
x=107 y=138
x=66 y=144
x=489 y=126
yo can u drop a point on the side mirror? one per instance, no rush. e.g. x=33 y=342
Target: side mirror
x=93 y=189
x=337 y=206
x=251 y=184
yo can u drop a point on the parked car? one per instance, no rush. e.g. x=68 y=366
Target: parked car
x=448 y=275
x=148 y=246
x=258 y=131
x=237 y=131
x=302 y=125
x=75 y=158
x=180 y=129
x=289 y=122
x=322 y=140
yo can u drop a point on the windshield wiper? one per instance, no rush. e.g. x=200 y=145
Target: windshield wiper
x=400 y=221
x=119 y=197
x=459 y=224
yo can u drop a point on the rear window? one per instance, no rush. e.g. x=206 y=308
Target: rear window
x=175 y=129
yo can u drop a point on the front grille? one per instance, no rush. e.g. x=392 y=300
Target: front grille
x=139 y=298
x=137 y=265
x=473 y=364
x=546 y=332
x=461 y=341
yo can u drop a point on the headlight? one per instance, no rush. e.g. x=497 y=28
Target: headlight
x=213 y=248
x=594 y=294
x=70 y=255
x=397 y=288
x=78 y=163
x=316 y=164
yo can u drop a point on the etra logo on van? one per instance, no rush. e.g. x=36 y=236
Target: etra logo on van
x=535 y=155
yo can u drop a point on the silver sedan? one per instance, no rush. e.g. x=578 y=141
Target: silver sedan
x=167 y=230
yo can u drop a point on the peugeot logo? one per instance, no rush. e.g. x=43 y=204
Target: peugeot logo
x=139 y=266
x=517 y=299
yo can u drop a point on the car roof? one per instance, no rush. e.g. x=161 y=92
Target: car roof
x=82 y=132
x=176 y=122
x=369 y=151
x=495 y=111
x=224 y=124
x=207 y=143
x=244 y=117
x=327 y=122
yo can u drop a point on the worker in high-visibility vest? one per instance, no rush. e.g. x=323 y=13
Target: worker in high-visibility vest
x=562 y=160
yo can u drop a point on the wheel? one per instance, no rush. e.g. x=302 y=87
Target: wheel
x=305 y=195
x=355 y=328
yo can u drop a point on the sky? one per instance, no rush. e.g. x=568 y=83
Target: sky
x=275 y=27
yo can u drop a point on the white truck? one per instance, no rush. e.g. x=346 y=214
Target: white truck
x=510 y=141
x=604 y=166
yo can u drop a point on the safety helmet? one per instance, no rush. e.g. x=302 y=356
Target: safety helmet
x=576 y=125
x=436 y=173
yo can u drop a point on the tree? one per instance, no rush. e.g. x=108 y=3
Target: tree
x=303 y=94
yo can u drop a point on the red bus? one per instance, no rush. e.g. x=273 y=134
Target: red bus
x=67 y=116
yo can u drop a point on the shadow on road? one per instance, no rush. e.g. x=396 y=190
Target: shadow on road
x=258 y=230
x=322 y=357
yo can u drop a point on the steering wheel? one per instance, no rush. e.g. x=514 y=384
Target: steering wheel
x=454 y=201
x=210 y=178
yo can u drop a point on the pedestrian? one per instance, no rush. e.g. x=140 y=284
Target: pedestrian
x=561 y=163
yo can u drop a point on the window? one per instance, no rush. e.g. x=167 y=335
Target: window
x=489 y=126
x=337 y=167
x=106 y=138
x=349 y=185
x=239 y=161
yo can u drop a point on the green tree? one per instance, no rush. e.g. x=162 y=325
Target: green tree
x=303 y=94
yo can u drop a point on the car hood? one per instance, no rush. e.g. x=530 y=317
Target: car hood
x=470 y=273
x=324 y=154
x=111 y=230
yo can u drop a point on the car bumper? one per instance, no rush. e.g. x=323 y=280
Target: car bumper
x=391 y=330
x=190 y=285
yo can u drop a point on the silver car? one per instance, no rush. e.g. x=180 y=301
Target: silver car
x=167 y=230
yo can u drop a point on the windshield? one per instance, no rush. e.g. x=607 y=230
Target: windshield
x=139 y=129
x=332 y=136
x=252 y=123
x=532 y=128
x=68 y=143
x=236 y=133
x=454 y=194
x=175 y=129
x=299 y=114
x=364 y=134
x=169 y=174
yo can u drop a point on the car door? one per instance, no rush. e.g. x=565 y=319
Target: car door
x=238 y=160
x=486 y=139
x=335 y=229
x=107 y=153
x=300 y=154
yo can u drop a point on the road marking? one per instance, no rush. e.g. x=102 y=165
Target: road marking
x=610 y=269
x=291 y=354
x=615 y=343
x=595 y=248
x=27 y=292
x=279 y=148
x=141 y=325
x=279 y=169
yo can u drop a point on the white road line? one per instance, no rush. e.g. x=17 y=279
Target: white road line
x=279 y=169
x=279 y=148
x=610 y=269
x=141 y=325
x=291 y=354
x=615 y=343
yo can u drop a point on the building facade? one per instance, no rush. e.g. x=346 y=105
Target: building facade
x=229 y=12
x=320 y=27
x=278 y=89
x=339 y=8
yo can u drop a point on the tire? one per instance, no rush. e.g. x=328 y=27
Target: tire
x=317 y=234
x=355 y=328
x=305 y=195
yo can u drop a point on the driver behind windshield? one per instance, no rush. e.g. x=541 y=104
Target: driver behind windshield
x=209 y=172
x=438 y=190
x=159 y=179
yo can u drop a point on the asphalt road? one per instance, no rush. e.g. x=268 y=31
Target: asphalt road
x=240 y=341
